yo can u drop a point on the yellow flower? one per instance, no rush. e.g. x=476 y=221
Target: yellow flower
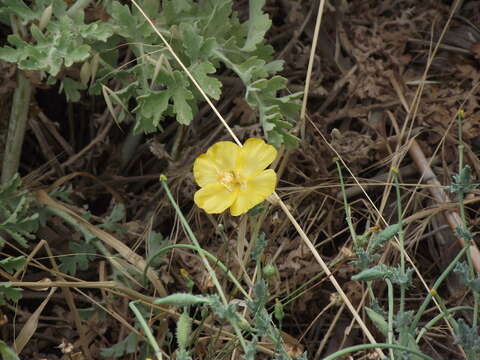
x=234 y=177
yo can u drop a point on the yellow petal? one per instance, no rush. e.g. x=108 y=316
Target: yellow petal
x=255 y=191
x=205 y=170
x=256 y=156
x=215 y=198
x=219 y=158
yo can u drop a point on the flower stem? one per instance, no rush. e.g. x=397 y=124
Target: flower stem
x=355 y=348
x=401 y=237
x=435 y=286
x=207 y=265
x=146 y=329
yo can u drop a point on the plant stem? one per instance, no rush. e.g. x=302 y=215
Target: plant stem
x=435 y=286
x=401 y=238
x=439 y=317
x=16 y=127
x=352 y=349
x=390 y=316
x=207 y=265
x=146 y=329
x=348 y=211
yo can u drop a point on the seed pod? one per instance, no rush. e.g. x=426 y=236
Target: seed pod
x=45 y=18
x=85 y=73
x=94 y=66
x=184 y=328
x=182 y=299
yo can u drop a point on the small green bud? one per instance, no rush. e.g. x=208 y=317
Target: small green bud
x=269 y=270
x=278 y=310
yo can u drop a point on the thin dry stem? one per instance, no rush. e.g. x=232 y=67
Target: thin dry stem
x=311 y=60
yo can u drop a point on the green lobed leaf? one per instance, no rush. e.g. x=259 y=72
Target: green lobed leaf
x=9 y=293
x=72 y=89
x=123 y=22
x=180 y=94
x=9 y=54
x=210 y=85
x=20 y=9
x=127 y=346
x=12 y=264
x=151 y=107
x=155 y=242
x=258 y=24
x=82 y=254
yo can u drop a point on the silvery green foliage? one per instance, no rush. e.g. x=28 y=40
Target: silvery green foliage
x=206 y=35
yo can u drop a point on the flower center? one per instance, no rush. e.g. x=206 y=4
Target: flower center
x=230 y=180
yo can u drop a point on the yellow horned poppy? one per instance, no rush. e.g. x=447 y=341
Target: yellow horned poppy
x=234 y=177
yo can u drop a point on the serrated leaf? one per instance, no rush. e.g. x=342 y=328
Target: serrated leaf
x=192 y=41
x=11 y=264
x=152 y=107
x=125 y=23
x=177 y=6
x=127 y=346
x=82 y=254
x=114 y=221
x=155 y=242
x=218 y=21
x=180 y=94
x=77 y=54
x=71 y=89
x=9 y=293
x=100 y=31
x=210 y=85
x=9 y=54
x=258 y=24
x=20 y=9
x=251 y=69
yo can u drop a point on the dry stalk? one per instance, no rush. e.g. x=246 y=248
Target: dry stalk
x=311 y=59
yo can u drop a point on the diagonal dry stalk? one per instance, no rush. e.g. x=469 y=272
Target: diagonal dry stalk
x=292 y=219
x=311 y=60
